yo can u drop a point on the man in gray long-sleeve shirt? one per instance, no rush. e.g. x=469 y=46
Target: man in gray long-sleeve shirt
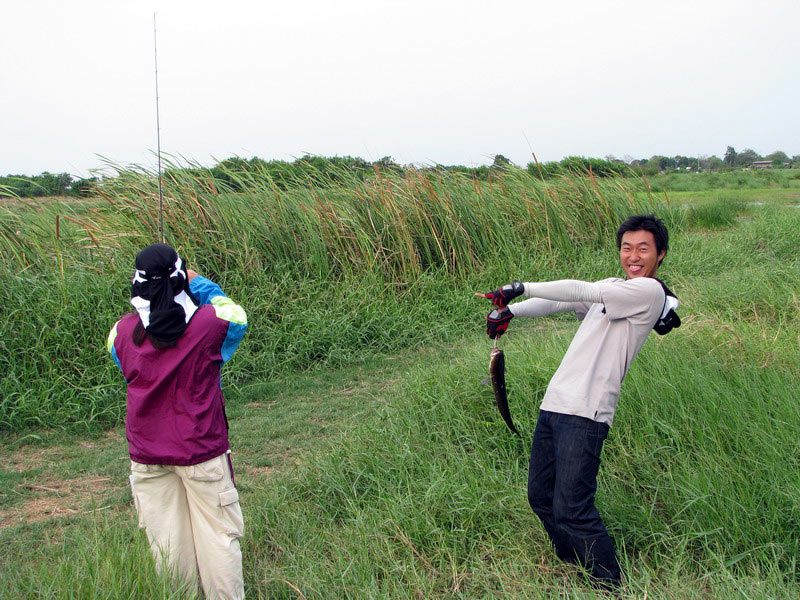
x=579 y=404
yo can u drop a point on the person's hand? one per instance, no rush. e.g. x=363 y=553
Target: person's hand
x=502 y=296
x=190 y=275
x=497 y=322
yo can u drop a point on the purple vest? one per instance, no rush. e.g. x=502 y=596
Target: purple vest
x=175 y=410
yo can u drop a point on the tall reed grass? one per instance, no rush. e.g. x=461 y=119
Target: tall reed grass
x=393 y=227
x=326 y=270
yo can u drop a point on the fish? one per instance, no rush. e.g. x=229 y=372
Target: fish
x=497 y=371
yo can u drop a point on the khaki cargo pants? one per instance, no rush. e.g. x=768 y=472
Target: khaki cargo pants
x=193 y=522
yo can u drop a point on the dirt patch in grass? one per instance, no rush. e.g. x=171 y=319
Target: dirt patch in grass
x=288 y=459
x=43 y=495
x=261 y=404
x=258 y=472
x=58 y=498
x=29 y=458
x=32 y=457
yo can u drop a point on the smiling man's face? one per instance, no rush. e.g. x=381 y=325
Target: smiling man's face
x=638 y=254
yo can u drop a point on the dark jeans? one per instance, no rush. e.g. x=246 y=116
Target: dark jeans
x=562 y=482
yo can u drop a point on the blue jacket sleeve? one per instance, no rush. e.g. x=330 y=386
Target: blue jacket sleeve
x=112 y=336
x=208 y=292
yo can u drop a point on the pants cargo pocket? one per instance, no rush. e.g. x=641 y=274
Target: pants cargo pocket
x=229 y=503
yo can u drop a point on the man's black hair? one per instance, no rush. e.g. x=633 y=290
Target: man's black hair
x=649 y=223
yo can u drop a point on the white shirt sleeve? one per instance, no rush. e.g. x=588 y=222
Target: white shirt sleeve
x=538 y=307
x=565 y=290
x=621 y=298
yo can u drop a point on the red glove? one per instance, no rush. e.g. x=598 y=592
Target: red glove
x=502 y=296
x=497 y=323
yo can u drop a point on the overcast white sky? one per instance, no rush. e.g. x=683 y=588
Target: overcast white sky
x=424 y=81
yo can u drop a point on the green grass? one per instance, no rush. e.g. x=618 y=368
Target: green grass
x=326 y=274
x=755 y=179
x=393 y=476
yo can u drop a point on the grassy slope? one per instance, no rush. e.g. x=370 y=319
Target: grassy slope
x=395 y=477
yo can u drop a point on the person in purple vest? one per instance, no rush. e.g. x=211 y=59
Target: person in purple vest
x=170 y=351
x=578 y=407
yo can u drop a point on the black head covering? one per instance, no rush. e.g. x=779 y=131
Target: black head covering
x=160 y=292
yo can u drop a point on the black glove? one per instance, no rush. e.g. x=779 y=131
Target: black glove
x=497 y=323
x=502 y=296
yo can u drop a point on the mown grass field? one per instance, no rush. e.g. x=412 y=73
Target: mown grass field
x=714 y=181
x=370 y=461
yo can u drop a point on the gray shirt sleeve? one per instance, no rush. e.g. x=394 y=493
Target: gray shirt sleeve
x=551 y=297
x=565 y=290
x=538 y=307
x=621 y=298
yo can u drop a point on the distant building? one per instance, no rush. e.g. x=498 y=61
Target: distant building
x=762 y=164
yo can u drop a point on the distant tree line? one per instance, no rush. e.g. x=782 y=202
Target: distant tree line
x=315 y=170
x=611 y=165
x=730 y=160
x=46 y=184
x=320 y=170
x=323 y=171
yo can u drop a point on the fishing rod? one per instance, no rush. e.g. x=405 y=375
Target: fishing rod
x=158 y=138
